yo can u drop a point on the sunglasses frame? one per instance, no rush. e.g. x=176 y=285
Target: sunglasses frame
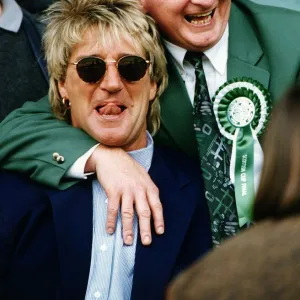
x=110 y=61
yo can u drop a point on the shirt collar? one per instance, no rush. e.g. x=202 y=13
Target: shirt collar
x=217 y=55
x=144 y=156
x=11 y=17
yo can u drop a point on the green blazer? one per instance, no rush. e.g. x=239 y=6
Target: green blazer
x=264 y=44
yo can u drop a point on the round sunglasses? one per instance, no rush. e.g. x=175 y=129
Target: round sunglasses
x=91 y=69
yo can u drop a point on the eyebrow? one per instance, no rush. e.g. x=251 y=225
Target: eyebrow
x=96 y=55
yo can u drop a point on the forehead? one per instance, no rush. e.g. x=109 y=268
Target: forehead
x=108 y=44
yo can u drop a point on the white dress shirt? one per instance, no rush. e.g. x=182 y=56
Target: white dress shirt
x=214 y=65
x=112 y=262
x=11 y=17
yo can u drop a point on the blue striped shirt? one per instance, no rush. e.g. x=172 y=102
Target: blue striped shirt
x=112 y=262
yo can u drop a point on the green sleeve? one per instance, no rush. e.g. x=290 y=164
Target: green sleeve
x=30 y=135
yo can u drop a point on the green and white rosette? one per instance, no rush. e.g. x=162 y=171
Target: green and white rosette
x=242 y=107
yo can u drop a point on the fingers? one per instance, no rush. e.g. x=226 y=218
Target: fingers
x=156 y=208
x=112 y=213
x=123 y=179
x=143 y=205
x=127 y=213
x=146 y=201
x=144 y=215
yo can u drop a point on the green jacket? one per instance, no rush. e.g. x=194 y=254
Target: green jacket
x=264 y=44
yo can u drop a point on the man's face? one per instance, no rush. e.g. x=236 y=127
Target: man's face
x=112 y=111
x=195 y=25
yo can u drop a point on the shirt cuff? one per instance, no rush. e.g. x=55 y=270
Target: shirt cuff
x=77 y=169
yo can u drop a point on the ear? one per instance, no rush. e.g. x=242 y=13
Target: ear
x=153 y=91
x=62 y=89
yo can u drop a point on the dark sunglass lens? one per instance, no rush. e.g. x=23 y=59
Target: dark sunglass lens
x=91 y=69
x=132 y=68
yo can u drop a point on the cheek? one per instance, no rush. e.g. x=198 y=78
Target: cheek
x=225 y=9
x=79 y=92
x=141 y=93
x=75 y=116
x=80 y=105
x=166 y=10
x=78 y=109
x=70 y=84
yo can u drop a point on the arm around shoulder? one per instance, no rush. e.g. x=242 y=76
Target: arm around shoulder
x=31 y=134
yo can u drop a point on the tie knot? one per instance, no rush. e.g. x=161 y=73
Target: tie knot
x=195 y=58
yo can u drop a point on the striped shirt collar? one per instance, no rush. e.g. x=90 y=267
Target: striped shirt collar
x=144 y=156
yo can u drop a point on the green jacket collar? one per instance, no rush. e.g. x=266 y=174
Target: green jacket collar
x=244 y=48
x=244 y=54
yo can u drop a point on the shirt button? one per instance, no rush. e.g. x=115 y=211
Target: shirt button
x=97 y=294
x=103 y=248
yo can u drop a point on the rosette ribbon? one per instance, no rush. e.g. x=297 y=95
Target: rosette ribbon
x=242 y=107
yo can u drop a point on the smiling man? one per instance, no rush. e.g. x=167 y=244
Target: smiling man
x=105 y=79
x=208 y=43
x=192 y=25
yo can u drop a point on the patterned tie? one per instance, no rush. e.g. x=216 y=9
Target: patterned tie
x=213 y=155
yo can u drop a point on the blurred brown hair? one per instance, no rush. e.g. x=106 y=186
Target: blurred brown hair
x=279 y=190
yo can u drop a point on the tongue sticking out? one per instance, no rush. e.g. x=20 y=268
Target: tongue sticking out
x=110 y=109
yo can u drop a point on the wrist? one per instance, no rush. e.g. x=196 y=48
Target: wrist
x=99 y=154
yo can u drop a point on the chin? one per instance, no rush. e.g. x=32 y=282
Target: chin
x=211 y=40
x=111 y=138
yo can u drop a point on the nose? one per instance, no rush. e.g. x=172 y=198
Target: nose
x=203 y=3
x=111 y=81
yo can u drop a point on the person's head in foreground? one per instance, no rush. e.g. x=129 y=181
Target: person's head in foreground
x=195 y=25
x=262 y=262
x=279 y=190
x=106 y=66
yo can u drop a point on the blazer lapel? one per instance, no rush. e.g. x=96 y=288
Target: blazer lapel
x=73 y=219
x=244 y=49
x=177 y=111
x=154 y=264
x=244 y=55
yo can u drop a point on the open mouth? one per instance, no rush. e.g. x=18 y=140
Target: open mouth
x=110 y=109
x=200 y=19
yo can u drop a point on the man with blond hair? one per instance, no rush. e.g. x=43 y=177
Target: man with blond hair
x=107 y=70
x=208 y=43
